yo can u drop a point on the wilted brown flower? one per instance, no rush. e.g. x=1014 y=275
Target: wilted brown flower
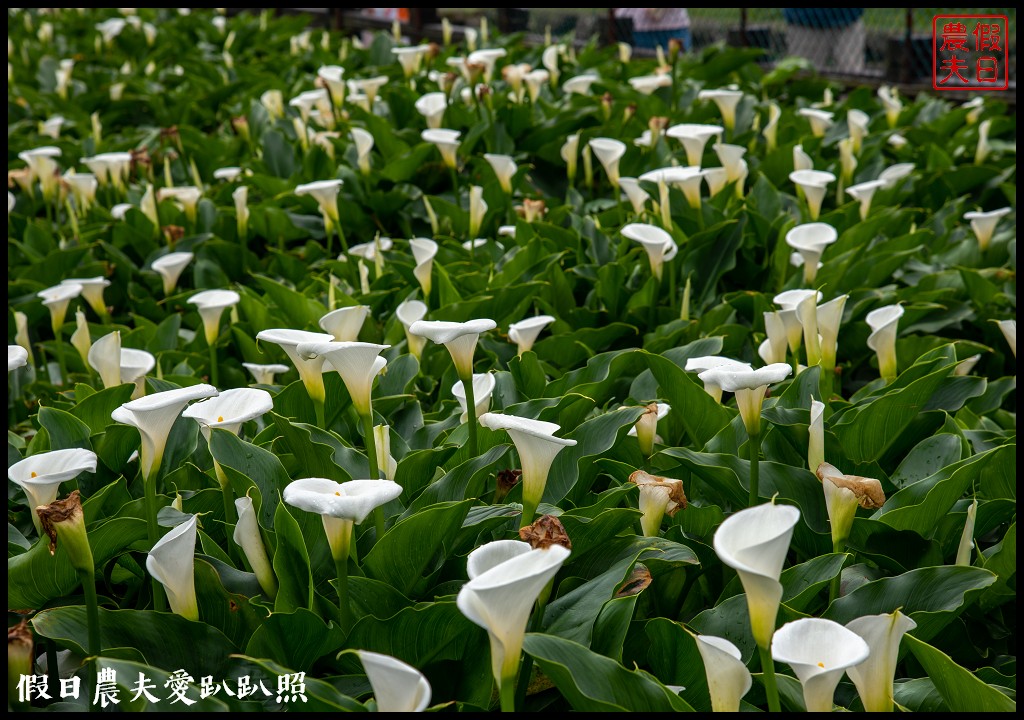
x=868 y=491
x=68 y=510
x=547 y=530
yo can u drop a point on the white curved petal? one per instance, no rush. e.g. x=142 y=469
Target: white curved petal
x=408 y=313
x=1009 y=330
x=397 y=687
x=984 y=224
x=356 y=362
x=819 y=651
x=231 y=408
x=728 y=678
x=345 y=323
x=483 y=387
x=172 y=563
x=310 y=371
x=170 y=267
x=353 y=500
x=247 y=536
x=810 y=240
x=17 y=357
x=525 y=332
x=609 y=152
x=459 y=337
x=537 y=446
x=884 y=324
x=874 y=677
x=40 y=475
x=105 y=358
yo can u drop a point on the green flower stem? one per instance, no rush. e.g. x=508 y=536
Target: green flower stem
x=828 y=375
x=371 y=457
x=754 y=445
x=213 y=365
x=536 y=623
x=328 y=225
x=159 y=599
x=347 y=619
x=671 y=284
x=455 y=185
x=507 y=694
x=318 y=406
x=768 y=675
x=341 y=237
x=92 y=613
x=833 y=587
x=529 y=511
x=652 y=309
x=59 y=337
x=467 y=386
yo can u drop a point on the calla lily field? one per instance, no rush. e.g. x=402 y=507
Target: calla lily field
x=492 y=375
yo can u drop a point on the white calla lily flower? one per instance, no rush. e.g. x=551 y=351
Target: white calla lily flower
x=728 y=678
x=240 y=196
x=247 y=536
x=524 y=333
x=135 y=364
x=984 y=225
x=829 y=318
x=325 y=192
x=891 y=103
x=340 y=505
x=345 y=323
x=884 y=324
x=898 y=141
x=423 y=252
x=847 y=162
x=1009 y=330
x=570 y=153
x=814 y=184
x=333 y=78
x=459 y=337
x=368 y=86
x=487 y=57
x=579 y=85
x=119 y=210
x=801 y=160
x=645 y=429
x=264 y=374
x=81 y=340
x=83 y=187
x=372 y=251
x=609 y=152
x=534 y=81
x=687 y=179
x=447 y=143
x=816 y=436
x=273 y=102
x=432 y=106
x=657 y=243
x=504 y=168
x=984 y=147
x=477 y=209
x=505 y=579
x=658 y=496
x=170 y=267
x=211 y=304
x=874 y=677
x=56 y=300
x=483 y=388
x=731 y=157
x=397 y=687
x=44 y=168
x=754 y=542
x=172 y=563
x=310 y=370
x=409 y=312
x=40 y=475
x=716 y=178
x=694 y=138
x=537 y=446
x=230 y=409
x=810 y=240
x=820 y=120
x=410 y=58
x=363 y=141
x=358 y=363
x=17 y=357
x=750 y=387
x=771 y=128
x=154 y=415
x=647 y=84
x=105 y=358
x=843 y=495
x=707 y=362
x=227 y=174
x=636 y=195
x=819 y=651
x=799 y=315
x=894 y=173
x=92 y=291
x=975 y=107
x=727 y=102
x=857 y=122
x=185 y=197
x=863 y=193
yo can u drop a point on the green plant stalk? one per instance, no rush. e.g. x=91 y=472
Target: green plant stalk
x=149 y=484
x=59 y=337
x=834 y=585
x=536 y=623
x=92 y=614
x=214 y=374
x=652 y=310
x=467 y=386
x=507 y=694
x=328 y=225
x=768 y=675
x=754 y=446
x=341 y=567
x=529 y=511
x=371 y=457
x=318 y=406
x=671 y=284
x=826 y=386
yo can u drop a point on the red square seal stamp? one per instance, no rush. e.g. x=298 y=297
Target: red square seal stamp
x=970 y=52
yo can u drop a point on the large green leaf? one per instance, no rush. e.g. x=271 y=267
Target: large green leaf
x=291 y=564
x=64 y=429
x=594 y=683
x=962 y=691
x=294 y=639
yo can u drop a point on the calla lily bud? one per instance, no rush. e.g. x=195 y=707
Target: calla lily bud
x=754 y=543
x=537 y=446
x=64 y=521
x=483 y=388
x=983 y=149
x=397 y=687
x=247 y=536
x=891 y=102
x=570 y=153
x=382 y=442
x=1009 y=330
x=172 y=563
x=524 y=333
x=874 y=677
x=447 y=143
x=211 y=305
x=728 y=678
x=646 y=427
x=477 y=210
x=963 y=552
x=504 y=169
x=80 y=338
x=170 y=267
x=771 y=128
x=820 y=120
x=884 y=324
x=819 y=651
x=816 y=430
x=727 y=102
x=241 y=199
x=21 y=336
x=105 y=358
x=829 y=318
x=810 y=240
x=659 y=496
x=843 y=495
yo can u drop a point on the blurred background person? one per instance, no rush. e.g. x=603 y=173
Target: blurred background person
x=656 y=26
x=828 y=37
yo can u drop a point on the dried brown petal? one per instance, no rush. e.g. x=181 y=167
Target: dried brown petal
x=20 y=637
x=59 y=511
x=173 y=233
x=637 y=582
x=868 y=491
x=546 y=531
x=677 y=497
